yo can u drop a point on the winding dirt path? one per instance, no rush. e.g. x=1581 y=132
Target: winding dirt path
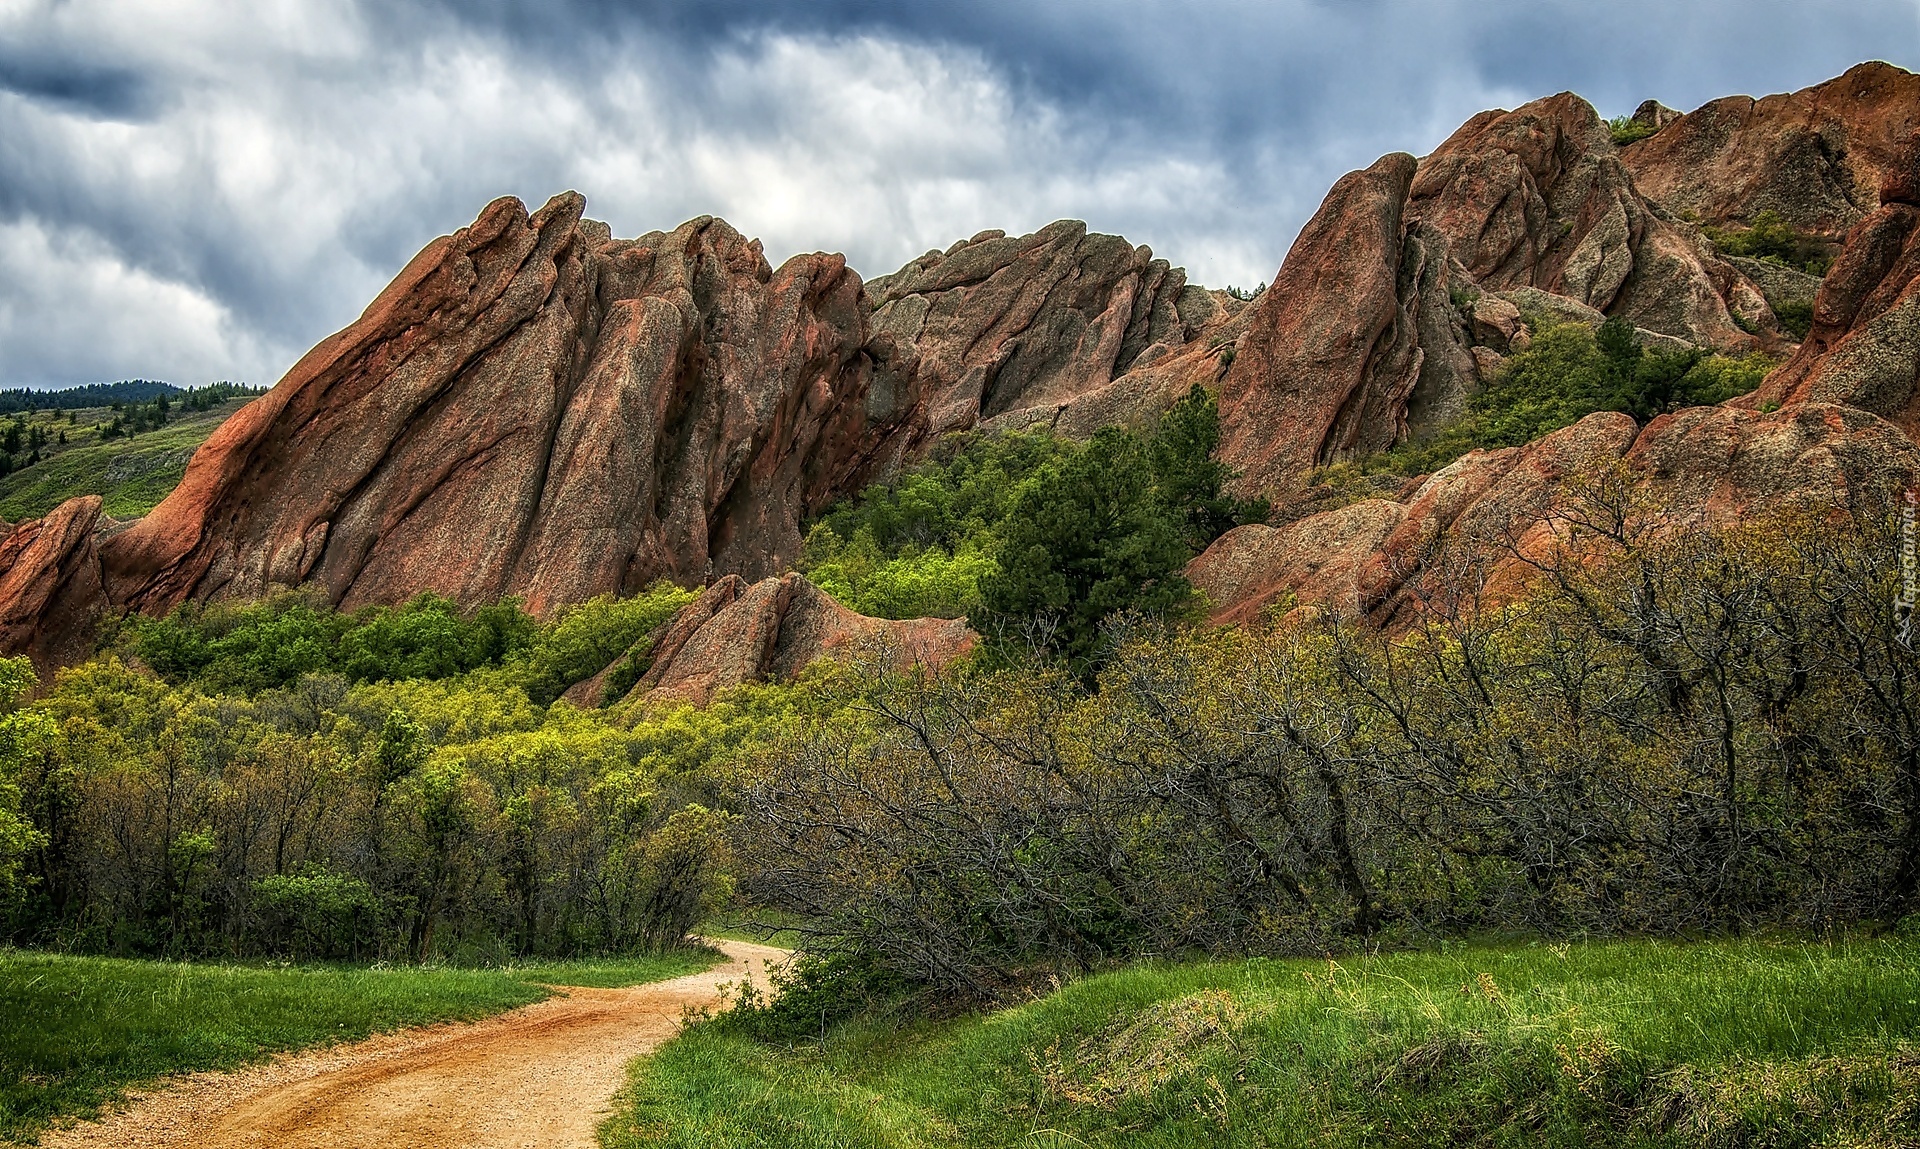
x=538 y=1076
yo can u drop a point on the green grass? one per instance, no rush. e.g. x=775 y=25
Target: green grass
x=616 y=973
x=76 y=1031
x=751 y=926
x=1628 y=1044
x=131 y=475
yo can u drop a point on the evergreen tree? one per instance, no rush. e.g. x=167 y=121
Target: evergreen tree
x=1190 y=481
x=1086 y=538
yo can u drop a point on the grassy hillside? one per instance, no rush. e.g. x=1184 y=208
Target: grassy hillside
x=1633 y=1043
x=74 y=1031
x=131 y=473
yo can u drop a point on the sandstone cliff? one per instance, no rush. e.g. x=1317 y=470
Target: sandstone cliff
x=1817 y=157
x=536 y=408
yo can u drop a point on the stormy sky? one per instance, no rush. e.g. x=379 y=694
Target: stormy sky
x=196 y=191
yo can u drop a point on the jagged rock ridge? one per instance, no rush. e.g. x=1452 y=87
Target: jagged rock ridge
x=535 y=408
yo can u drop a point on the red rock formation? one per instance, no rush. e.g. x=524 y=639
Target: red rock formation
x=530 y=409
x=50 y=585
x=1699 y=467
x=1357 y=331
x=1538 y=197
x=1816 y=156
x=1864 y=347
x=773 y=629
x=1012 y=329
x=534 y=408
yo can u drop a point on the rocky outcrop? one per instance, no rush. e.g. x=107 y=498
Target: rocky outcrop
x=1477 y=523
x=1816 y=157
x=535 y=408
x=737 y=632
x=531 y=409
x=1864 y=346
x=1539 y=197
x=1654 y=115
x=1356 y=339
x=50 y=585
x=1007 y=331
x=1331 y=560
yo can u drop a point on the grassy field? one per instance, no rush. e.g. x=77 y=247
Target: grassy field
x=75 y=1031
x=131 y=475
x=1628 y=1044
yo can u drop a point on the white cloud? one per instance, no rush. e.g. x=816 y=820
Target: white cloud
x=71 y=308
x=217 y=184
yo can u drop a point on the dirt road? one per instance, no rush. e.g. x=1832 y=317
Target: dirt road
x=539 y=1076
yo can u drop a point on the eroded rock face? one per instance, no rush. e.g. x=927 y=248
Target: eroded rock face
x=50 y=585
x=1817 y=157
x=1356 y=338
x=534 y=408
x=1864 y=347
x=737 y=632
x=1477 y=523
x=531 y=409
x=1011 y=329
x=1539 y=197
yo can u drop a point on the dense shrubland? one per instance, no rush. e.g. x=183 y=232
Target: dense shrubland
x=385 y=784
x=1692 y=734
x=1773 y=239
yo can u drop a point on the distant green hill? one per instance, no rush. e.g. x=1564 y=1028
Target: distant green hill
x=130 y=454
x=126 y=392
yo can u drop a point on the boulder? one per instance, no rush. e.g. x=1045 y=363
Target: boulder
x=1864 y=346
x=1331 y=560
x=737 y=632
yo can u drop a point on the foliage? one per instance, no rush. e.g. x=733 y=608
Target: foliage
x=1795 y=316
x=1568 y=372
x=129 y=391
x=25 y=737
x=585 y=639
x=1627 y=130
x=74 y=1031
x=1707 y=732
x=1034 y=538
x=1772 y=238
x=918 y=545
x=270 y=644
x=1106 y=530
x=811 y=994
x=130 y=475
x=294 y=781
x=1641 y=1044
x=1087 y=539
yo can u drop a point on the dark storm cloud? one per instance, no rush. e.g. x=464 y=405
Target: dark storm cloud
x=198 y=190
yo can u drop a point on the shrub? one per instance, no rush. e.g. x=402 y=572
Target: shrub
x=1028 y=534
x=1107 y=530
x=1706 y=731
x=1626 y=130
x=1795 y=316
x=1569 y=372
x=585 y=639
x=316 y=912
